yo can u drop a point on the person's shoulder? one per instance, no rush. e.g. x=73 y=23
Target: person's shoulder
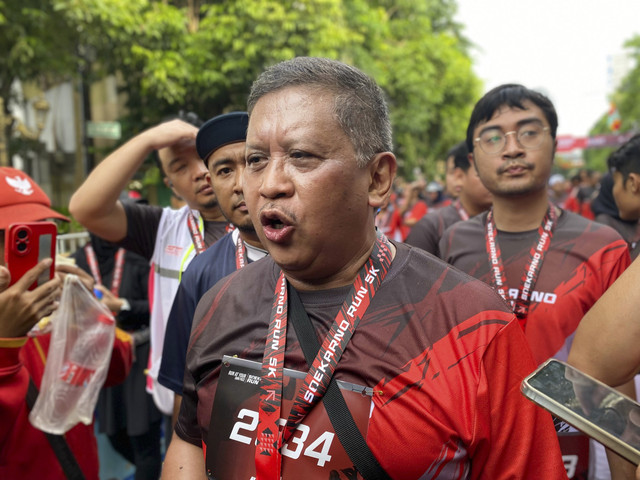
x=434 y=216
x=173 y=213
x=417 y=267
x=255 y=280
x=606 y=219
x=429 y=264
x=204 y=263
x=578 y=225
x=142 y=209
x=263 y=271
x=472 y=226
x=144 y=216
x=136 y=258
x=214 y=251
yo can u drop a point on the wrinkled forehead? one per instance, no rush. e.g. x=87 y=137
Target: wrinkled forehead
x=292 y=110
x=294 y=97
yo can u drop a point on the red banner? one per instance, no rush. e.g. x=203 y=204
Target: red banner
x=567 y=143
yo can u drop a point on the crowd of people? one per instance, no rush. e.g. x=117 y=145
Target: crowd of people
x=418 y=307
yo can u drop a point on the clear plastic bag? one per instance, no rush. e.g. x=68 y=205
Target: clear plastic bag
x=77 y=362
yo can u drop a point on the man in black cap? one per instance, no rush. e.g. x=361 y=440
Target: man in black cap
x=221 y=144
x=169 y=238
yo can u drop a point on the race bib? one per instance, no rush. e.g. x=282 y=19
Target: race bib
x=313 y=452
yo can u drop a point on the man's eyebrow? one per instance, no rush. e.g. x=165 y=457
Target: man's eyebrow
x=248 y=146
x=519 y=123
x=223 y=161
x=174 y=161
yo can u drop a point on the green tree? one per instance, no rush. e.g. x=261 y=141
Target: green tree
x=422 y=62
x=596 y=158
x=203 y=56
x=627 y=96
x=30 y=31
x=627 y=99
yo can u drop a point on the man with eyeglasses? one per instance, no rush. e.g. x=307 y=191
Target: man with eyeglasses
x=550 y=265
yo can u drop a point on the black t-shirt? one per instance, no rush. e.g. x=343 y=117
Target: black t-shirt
x=427 y=232
x=630 y=231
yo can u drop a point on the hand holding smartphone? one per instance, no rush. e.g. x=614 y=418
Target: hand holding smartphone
x=26 y=244
x=589 y=405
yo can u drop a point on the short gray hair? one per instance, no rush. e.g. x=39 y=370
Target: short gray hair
x=359 y=104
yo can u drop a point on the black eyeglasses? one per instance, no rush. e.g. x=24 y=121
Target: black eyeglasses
x=529 y=136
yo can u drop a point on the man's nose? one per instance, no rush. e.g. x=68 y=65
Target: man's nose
x=238 y=179
x=512 y=146
x=199 y=170
x=275 y=180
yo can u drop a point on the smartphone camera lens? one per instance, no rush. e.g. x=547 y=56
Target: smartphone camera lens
x=22 y=240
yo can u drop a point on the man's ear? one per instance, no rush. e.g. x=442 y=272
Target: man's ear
x=168 y=183
x=472 y=161
x=383 y=170
x=634 y=183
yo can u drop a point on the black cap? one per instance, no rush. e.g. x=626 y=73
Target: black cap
x=220 y=131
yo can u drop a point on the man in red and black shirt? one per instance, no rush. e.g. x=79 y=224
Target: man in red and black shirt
x=550 y=265
x=473 y=198
x=431 y=359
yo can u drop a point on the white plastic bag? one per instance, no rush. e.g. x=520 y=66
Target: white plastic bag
x=77 y=362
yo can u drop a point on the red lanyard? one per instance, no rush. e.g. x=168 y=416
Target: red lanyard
x=270 y=438
x=536 y=257
x=196 y=236
x=461 y=211
x=241 y=253
x=95 y=268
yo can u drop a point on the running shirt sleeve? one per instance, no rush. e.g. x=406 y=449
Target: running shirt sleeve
x=142 y=228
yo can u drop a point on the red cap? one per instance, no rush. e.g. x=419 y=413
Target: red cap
x=22 y=200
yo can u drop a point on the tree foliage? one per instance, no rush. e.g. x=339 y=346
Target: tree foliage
x=627 y=96
x=202 y=56
x=627 y=99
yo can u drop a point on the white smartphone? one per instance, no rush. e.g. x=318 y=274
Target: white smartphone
x=589 y=405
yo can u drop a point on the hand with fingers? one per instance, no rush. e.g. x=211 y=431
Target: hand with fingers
x=62 y=270
x=111 y=301
x=21 y=308
x=169 y=134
